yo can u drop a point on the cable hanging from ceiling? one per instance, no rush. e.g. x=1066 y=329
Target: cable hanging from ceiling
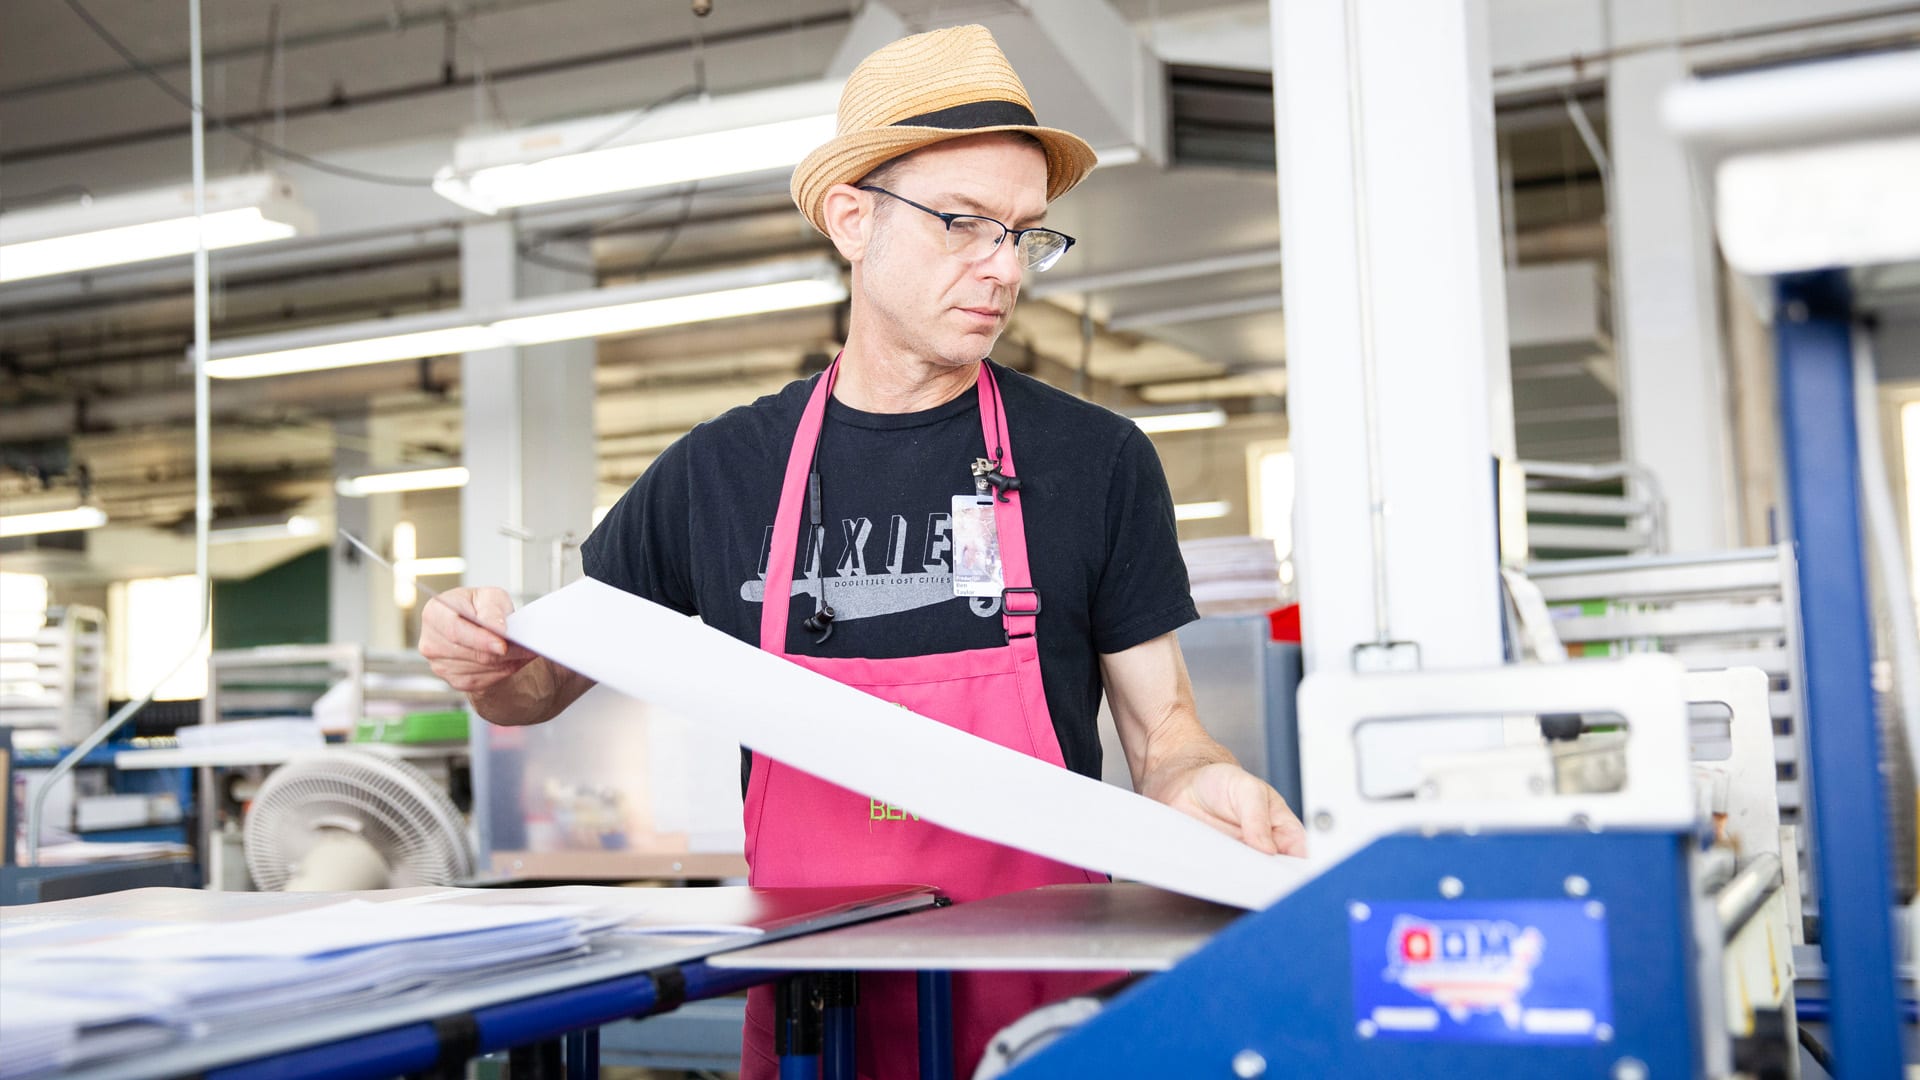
x=286 y=153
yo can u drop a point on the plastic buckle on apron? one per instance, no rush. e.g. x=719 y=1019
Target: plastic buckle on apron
x=1006 y=607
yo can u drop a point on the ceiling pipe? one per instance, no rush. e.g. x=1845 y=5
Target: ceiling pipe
x=1133 y=277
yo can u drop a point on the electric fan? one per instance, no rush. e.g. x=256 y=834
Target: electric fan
x=351 y=819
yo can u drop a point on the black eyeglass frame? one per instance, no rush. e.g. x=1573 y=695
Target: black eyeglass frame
x=947 y=220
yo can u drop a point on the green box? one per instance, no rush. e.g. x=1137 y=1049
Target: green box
x=447 y=725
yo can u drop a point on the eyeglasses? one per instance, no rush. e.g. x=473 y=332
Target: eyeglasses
x=973 y=237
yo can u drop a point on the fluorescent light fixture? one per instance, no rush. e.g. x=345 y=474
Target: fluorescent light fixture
x=134 y=228
x=374 y=350
x=439 y=566
x=1910 y=443
x=786 y=285
x=405 y=547
x=1201 y=511
x=407 y=566
x=734 y=135
x=387 y=483
x=53 y=521
x=669 y=311
x=1185 y=420
x=294 y=526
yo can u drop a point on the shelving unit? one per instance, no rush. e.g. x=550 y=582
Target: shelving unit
x=68 y=693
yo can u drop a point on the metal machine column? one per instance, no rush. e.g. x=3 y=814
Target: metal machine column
x=1375 y=277
x=1813 y=330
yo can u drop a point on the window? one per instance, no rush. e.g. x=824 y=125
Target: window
x=150 y=622
x=1910 y=463
x=23 y=612
x=1271 y=478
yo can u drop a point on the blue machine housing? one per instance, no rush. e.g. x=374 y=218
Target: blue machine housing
x=1281 y=982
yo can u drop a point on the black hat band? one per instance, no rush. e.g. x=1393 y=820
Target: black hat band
x=974 y=114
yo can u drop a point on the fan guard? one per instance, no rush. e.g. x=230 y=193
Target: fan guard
x=391 y=805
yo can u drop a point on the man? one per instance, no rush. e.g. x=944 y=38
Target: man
x=847 y=490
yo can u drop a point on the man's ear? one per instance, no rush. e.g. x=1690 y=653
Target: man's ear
x=848 y=224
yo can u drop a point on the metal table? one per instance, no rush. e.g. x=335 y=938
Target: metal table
x=1055 y=928
x=1119 y=927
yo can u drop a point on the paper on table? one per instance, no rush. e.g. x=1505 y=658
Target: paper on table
x=353 y=924
x=868 y=745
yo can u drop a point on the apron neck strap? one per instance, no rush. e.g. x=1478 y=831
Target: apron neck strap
x=1019 y=603
x=788 y=521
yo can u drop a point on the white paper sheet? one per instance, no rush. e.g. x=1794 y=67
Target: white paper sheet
x=342 y=927
x=873 y=747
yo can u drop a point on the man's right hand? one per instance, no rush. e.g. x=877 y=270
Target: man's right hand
x=472 y=653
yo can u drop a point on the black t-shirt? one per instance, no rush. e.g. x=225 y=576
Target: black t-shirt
x=694 y=533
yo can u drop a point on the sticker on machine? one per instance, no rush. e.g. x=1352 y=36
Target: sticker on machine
x=1496 y=971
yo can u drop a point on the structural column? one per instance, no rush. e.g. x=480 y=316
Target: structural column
x=360 y=593
x=528 y=447
x=528 y=416
x=1674 y=410
x=1398 y=267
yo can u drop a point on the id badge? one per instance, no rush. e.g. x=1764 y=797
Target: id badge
x=976 y=547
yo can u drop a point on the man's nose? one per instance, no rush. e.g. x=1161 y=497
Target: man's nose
x=1004 y=264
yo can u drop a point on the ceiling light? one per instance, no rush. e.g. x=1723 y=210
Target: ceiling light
x=753 y=290
x=370 y=350
x=734 y=135
x=1200 y=511
x=242 y=532
x=405 y=547
x=148 y=225
x=387 y=483
x=439 y=566
x=53 y=521
x=669 y=311
x=1185 y=420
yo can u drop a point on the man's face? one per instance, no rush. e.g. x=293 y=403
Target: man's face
x=926 y=302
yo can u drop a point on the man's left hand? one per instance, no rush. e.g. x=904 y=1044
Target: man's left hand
x=1240 y=804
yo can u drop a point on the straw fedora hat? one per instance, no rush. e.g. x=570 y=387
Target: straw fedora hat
x=924 y=89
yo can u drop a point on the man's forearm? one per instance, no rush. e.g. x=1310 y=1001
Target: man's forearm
x=535 y=694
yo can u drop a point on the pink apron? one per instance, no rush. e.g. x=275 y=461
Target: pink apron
x=805 y=831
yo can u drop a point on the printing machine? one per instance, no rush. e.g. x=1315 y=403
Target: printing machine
x=1594 y=903
x=1582 y=907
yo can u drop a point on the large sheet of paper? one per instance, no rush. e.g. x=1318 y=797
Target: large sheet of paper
x=873 y=747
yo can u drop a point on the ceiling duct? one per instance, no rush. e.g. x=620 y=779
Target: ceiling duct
x=1221 y=117
x=1085 y=68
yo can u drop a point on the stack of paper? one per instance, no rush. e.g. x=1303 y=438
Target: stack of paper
x=68 y=1000
x=75 y=852
x=44 y=1031
x=1233 y=575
